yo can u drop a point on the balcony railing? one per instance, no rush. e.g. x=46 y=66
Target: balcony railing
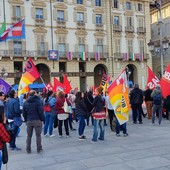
x=44 y=54
x=129 y=29
x=117 y=28
x=141 y=30
x=39 y=22
x=99 y=27
x=131 y=56
x=61 y=23
x=80 y=24
x=16 y=19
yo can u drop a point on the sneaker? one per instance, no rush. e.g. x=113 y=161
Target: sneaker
x=81 y=138
x=140 y=122
x=100 y=139
x=84 y=136
x=118 y=135
x=46 y=135
x=73 y=129
x=15 y=149
x=152 y=124
x=52 y=135
x=125 y=135
x=68 y=136
x=28 y=151
x=60 y=136
x=40 y=151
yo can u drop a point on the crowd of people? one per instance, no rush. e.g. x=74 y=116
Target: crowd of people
x=44 y=112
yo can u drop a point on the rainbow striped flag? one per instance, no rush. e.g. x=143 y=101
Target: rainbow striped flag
x=141 y=57
x=97 y=56
x=69 y=56
x=125 y=57
x=28 y=77
x=83 y=56
x=133 y=57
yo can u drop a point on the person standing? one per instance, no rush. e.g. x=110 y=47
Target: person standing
x=157 y=104
x=13 y=112
x=98 y=105
x=148 y=101
x=49 y=115
x=34 y=116
x=136 y=100
x=62 y=116
x=82 y=114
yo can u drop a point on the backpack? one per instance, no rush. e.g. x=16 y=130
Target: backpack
x=47 y=107
x=157 y=99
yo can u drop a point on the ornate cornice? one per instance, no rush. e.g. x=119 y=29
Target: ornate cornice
x=98 y=10
x=39 y=30
x=80 y=8
x=143 y=36
x=60 y=6
x=16 y=2
x=129 y=13
x=61 y=31
x=39 y=3
x=99 y=34
x=130 y=35
x=81 y=32
x=117 y=34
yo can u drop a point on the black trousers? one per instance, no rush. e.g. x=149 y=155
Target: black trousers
x=111 y=115
x=65 y=125
x=137 y=111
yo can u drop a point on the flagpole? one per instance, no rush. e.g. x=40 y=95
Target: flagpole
x=4 y=9
x=42 y=81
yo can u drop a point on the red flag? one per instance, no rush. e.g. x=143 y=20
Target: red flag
x=165 y=83
x=152 y=79
x=67 y=85
x=58 y=86
x=49 y=87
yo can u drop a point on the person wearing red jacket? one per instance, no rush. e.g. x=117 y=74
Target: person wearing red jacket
x=62 y=116
x=4 y=135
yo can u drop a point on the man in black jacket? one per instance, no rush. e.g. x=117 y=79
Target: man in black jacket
x=34 y=116
x=136 y=100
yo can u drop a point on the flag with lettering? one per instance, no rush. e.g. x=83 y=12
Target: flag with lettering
x=4 y=86
x=152 y=79
x=58 y=86
x=67 y=86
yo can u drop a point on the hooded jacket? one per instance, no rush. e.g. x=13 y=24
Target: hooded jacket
x=32 y=109
x=136 y=96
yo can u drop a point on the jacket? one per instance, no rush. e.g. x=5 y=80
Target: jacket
x=4 y=136
x=156 y=91
x=60 y=105
x=81 y=109
x=51 y=101
x=136 y=96
x=32 y=109
x=148 y=95
x=98 y=104
x=13 y=108
x=89 y=103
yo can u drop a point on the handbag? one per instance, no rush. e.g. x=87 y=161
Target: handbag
x=47 y=107
x=99 y=115
x=66 y=107
x=4 y=154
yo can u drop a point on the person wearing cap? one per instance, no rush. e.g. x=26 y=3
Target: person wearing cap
x=136 y=100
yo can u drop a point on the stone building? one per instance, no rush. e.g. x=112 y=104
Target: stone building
x=112 y=34
x=155 y=35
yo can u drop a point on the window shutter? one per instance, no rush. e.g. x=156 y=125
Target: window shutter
x=86 y=48
x=54 y=14
x=85 y=17
x=45 y=13
x=76 y=47
x=22 y=12
x=24 y=46
x=93 y=2
x=46 y=47
x=10 y=45
x=14 y=11
x=94 y=48
x=66 y=15
x=120 y=20
x=102 y=3
x=104 y=48
x=75 y=1
x=94 y=18
x=57 y=46
x=103 y=18
x=132 y=21
x=75 y=16
x=33 y=12
x=67 y=47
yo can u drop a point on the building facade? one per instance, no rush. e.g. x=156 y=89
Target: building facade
x=99 y=36
x=155 y=35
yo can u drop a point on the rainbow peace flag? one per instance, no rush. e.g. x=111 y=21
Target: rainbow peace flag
x=28 y=77
x=119 y=98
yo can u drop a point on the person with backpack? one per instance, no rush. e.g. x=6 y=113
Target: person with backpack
x=49 y=104
x=157 y=104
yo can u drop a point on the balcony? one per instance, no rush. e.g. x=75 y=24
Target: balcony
x=61 y=24
x=117 y=28
x=44 y=54
x=81 y=24
x=99 y=27
x=129 y=29
x=128 y=56
x=39 y=22
x=141 y=30
x=16 y=19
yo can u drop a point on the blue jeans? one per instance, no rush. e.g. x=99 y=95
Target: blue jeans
x=0 y=158
x=99 y=123
x=70 y=120
x=49 y=121
x=82 y=125
x=118 y=127
x=15 y=132
x=159 y=109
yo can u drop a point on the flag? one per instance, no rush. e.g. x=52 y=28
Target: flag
x=67 y=86
x=69 y=56
x=58 y=86
x=83 y=56
x=4 y=86
x=104 y=82
x=28 y=77
x=49 y=87
x=97 y=56
x=119 y=98
x=125 y=57
x=141 y=57
x=152 y=79
x=165 y=83
x=53 y=55
x=3 y=27
x=133 y=57
x=16 y=31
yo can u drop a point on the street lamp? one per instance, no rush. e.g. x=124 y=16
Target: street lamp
x=3 y=74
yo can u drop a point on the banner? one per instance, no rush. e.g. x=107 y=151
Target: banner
x=119 y=97
x=58 y=86
x=3 y=27
x=104 y=82
x=165 y=83
x=152 y=79
x=4 y=86
x=28 y=77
